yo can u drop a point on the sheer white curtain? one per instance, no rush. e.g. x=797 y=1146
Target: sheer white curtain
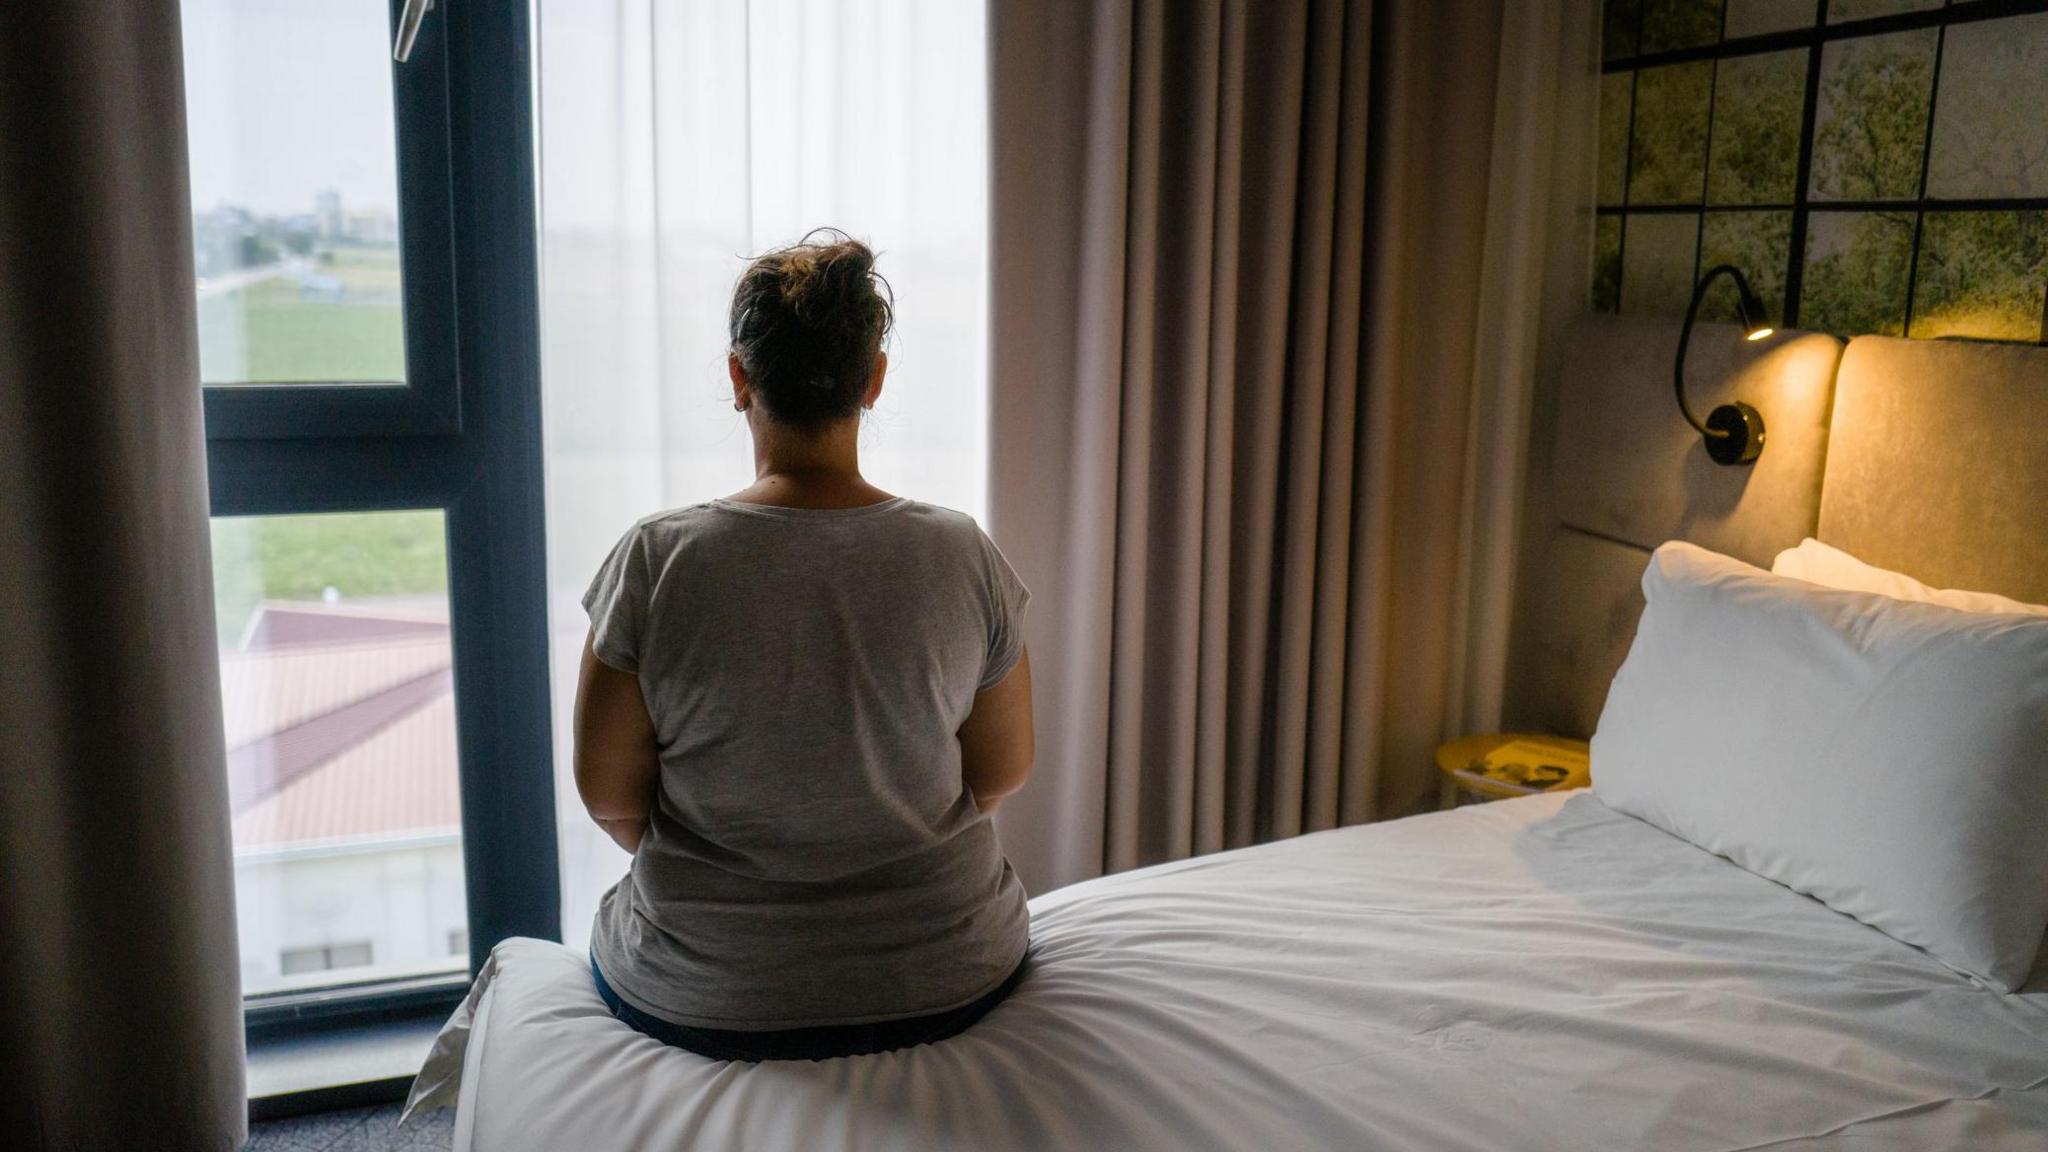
x=677 y=139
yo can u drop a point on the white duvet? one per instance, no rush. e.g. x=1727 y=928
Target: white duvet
x=1534 y=974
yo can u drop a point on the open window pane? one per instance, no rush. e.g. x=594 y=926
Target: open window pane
x=294 y=191
x=338 y=701
x=1990 y=133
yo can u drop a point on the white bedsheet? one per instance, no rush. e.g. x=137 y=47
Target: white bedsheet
x=1533 y=974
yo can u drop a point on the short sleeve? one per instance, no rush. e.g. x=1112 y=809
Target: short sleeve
x=617 y=603
x=1008 y=598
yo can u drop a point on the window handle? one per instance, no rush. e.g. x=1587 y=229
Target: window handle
x=409 y=27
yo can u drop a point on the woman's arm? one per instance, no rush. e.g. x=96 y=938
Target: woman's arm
x=618 y=766
x=995 y=742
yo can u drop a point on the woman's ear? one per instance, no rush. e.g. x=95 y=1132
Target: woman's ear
x=874 y=392
x=742 y=393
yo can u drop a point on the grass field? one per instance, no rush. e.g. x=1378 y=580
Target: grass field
x=358 y=554
x=276 y=331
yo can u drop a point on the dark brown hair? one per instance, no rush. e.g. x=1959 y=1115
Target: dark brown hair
x=807 y=323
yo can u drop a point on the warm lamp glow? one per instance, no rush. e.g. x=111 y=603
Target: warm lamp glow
x=1761 y=333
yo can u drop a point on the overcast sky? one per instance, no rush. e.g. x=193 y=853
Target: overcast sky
x=285 y=98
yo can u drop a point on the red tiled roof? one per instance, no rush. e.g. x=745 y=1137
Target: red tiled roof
x=399 y=782
x=341 y=725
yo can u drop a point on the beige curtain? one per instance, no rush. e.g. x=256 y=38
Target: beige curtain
x=120 y=1000
x=1264 y=274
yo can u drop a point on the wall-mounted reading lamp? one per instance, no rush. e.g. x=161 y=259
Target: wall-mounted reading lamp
x=1734 y=432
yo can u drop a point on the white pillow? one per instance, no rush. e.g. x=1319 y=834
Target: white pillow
x=1818 y=563
x=1886 y=757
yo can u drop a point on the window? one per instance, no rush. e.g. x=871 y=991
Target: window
x=325 y=958
x=372 y=420
x=1873 y=166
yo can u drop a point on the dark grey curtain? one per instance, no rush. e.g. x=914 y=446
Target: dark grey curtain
x=1239 y=431
x=120 y=1013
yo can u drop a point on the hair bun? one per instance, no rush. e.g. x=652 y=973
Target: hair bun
x=807 y=323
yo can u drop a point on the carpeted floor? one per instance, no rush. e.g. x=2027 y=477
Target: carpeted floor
x=355 y=1130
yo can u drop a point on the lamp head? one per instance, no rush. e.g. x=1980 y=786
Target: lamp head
x=1756 y=323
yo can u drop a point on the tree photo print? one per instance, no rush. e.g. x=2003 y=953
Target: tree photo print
x=1872 y=166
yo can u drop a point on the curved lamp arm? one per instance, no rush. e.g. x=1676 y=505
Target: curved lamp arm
x=1734 y=432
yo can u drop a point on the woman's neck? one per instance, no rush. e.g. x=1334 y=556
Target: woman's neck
x=807 y=469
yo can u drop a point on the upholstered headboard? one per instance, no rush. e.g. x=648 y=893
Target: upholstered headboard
x=1939 y=463
x=1929 y=457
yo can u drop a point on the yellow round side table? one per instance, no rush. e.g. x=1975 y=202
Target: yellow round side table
x=1500 y=765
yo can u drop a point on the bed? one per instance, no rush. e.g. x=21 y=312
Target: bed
x=1534 y=974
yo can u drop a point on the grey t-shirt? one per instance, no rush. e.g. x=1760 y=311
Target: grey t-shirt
x=814 y=855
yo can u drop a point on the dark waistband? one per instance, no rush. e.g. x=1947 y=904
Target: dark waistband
x=822 y=1042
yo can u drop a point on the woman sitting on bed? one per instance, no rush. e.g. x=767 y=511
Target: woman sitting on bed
x=798 y=706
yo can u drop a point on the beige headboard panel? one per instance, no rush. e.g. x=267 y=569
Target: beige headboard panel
x=1628 y=467
x=1938 y=465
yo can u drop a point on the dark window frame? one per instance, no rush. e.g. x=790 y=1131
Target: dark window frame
x=1814 y=38
x=461 y=436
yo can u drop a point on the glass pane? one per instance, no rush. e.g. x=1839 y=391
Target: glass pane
x=1606 y=291
x=1982 y=274
x=1870 y=128
x=339 y=703
x=294 y=191
x=1986 y=142
x=1758 y=102
x=1756 y=17
x=1856 y=266
x=1669 y=159
x=1615 y=92
x=1669 y=24
x=1618 y=28
x=1840 y=11
x=1657 y=263
x=1757 y=243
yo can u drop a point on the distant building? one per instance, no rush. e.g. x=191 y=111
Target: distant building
x=342 y=780
x=331 y=224
x=375 y=227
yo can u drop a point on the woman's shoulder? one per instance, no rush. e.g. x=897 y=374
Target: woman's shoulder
x=671 y=527
x=947 y=528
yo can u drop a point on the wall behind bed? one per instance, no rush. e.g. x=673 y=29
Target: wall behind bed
x=1614 y=471
x=1928 y=457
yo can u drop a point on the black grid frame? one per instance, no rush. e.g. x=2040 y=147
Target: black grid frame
x=1813 y=38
